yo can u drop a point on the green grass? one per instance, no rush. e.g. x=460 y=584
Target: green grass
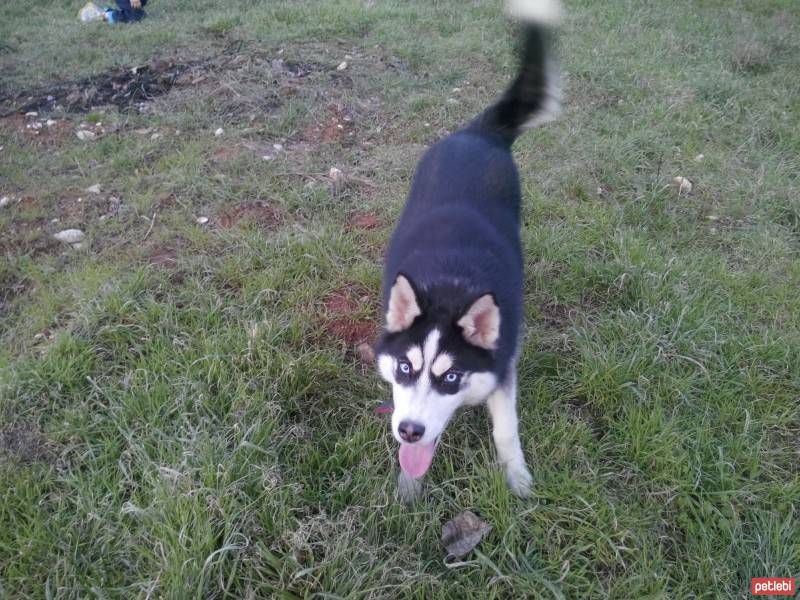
x=183 y=412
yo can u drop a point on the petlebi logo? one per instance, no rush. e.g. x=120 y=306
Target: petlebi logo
x=772 y=586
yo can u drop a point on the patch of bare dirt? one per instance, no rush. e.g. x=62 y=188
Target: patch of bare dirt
x=24 y=445
x=365 y=220
x=238 y=73
x=226 y=154
x=260 y=213
x=36 y=129
x=123 y=87
x=162 y=255
x=336 y=126
x=341 y=307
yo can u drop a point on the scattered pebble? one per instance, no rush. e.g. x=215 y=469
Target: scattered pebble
x=50 y=122
x=5 y=201
x=699 y=158
x=683 y=184
x=92 y=189
x=219 y=132
x=268 y=157
x=33 y=113
x=712 y=218
x=85 y=135
x=455 y=90
x=202 y=220
x=155 y=136
x=336 y=174
x=69 y=236
x=277 y=147
x=461 y=534
x=342 y=66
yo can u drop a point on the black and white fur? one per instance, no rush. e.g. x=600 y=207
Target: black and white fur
x=453 y=278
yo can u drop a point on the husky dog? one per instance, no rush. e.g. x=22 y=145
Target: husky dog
x=453 y=281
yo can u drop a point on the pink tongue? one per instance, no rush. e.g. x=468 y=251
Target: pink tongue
x=416 y=459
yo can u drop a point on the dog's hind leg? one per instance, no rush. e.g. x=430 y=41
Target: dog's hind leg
x=502 y=404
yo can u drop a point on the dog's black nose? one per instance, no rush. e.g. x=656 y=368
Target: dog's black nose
x=410 y=431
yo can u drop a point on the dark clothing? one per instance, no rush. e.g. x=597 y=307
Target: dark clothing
x=126 y=13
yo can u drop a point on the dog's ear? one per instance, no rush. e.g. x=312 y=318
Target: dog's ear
x=403 y=305
x=481 y=323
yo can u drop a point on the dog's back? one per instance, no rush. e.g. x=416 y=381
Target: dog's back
x=460 y=224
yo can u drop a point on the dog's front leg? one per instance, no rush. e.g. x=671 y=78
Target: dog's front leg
x=502 y=405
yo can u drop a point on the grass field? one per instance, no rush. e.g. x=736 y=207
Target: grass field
x=184 y=410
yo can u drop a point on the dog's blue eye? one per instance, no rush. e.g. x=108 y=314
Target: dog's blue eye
x=405 y=368
x=451 y=377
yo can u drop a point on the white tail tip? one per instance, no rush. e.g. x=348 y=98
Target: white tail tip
x=546 y=12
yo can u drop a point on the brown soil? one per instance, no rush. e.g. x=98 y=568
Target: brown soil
x=340 y=307
x=258 y=213
x=365 y=220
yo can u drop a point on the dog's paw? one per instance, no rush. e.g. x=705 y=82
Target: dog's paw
x=519 y=479
x=408 y=489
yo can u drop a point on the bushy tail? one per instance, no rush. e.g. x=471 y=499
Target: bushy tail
x=534 y=96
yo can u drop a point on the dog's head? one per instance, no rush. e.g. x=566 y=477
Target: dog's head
x=437 y=351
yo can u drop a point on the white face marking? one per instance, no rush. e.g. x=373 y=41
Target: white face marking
x=386 y=367
x=442 y=364
x=414 y=355
x=421 y=402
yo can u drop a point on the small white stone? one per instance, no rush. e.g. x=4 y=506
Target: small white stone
x=155 y=136
x=69 y=236
x=712 y=218
x=85 y=135
x=348 y=57
x=455 y=90
x=202 y=220
x=5 y=201
x=277 y=147
x=683 y=184
x=219 y=132
x=336 y=174
x=699 y=158
x=268 y=157
x=342 y=66
x=50 y=122
x=33 y=113
x=77 y=245
x=92 y=189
